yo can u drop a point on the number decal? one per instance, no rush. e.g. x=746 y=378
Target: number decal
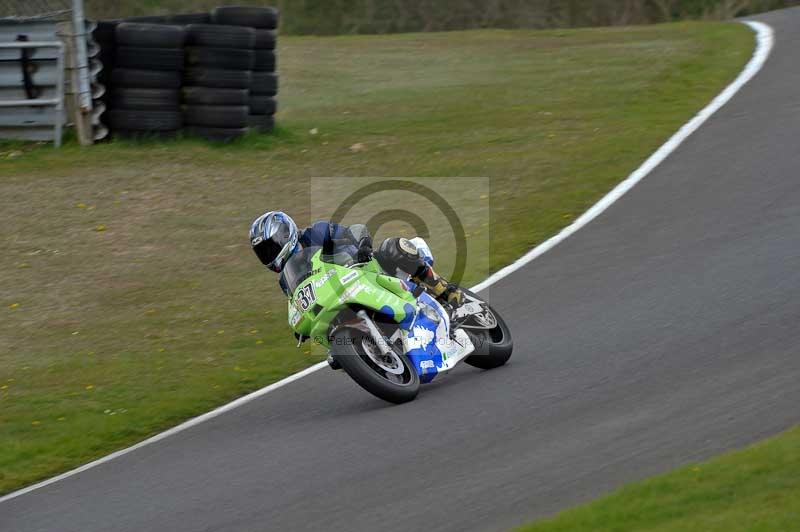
x=306 y=297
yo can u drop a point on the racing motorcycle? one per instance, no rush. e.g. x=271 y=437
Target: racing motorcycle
x=387 y=333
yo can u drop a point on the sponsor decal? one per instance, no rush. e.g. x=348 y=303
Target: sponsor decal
x=294 y=315
x=324 y=279
x=350 y=277
x=427 y=364
x=256 y=241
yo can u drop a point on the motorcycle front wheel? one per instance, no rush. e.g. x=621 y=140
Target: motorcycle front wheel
x=388 y=377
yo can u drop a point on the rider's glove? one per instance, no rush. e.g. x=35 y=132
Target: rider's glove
x=365 y=249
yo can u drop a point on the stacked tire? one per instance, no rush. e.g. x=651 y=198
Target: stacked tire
x=184 y=19
x=264 y=86
x=177 y=20
x=217 y=79
x=104 y=36
x=146 y=80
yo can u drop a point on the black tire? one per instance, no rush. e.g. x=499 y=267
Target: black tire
x=264 y=61
x=121 y=119
x=105 y=32
x=348 y=351
x=266 y=39
x=262 y=123
x=148 y=19
x=106 y=56
x=264 y=83
x=224 y=116
x=492 y=348
x=145 y=79
x=206 y=96
x=218 y=79
x=144 y=99
x=144 y=135
x=226 y=58
x=216 y=134
x=150 y=35
x=150 y=58
x=214 y=36
x=106 y=59
x=254 y=17
x=263 y=105
x=185 y=19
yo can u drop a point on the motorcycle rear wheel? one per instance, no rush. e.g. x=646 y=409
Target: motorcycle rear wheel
x=493 y=347
x=393 y=379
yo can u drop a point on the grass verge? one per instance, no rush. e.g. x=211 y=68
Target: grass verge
x=757 y=489
x=130 y=299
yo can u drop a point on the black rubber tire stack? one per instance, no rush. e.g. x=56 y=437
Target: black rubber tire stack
x=149 y=19
x=145 y=99
x=264 y=87
x=176 y=20
x=190 y=18
x=216 y=82
x=103 y=35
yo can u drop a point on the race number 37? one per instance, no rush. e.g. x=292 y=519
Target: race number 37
x=306 y=297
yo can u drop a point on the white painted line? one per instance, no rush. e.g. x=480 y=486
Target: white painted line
x=765 y=41
x=174 y=430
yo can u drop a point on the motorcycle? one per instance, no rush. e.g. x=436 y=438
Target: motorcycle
x=387 y=333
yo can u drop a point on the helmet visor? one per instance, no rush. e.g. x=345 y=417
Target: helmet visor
x=267 y=251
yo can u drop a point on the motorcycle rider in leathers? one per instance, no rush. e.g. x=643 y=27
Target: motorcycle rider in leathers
x=275 y=238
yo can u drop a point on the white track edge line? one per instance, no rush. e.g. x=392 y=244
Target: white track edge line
x=765 y=41
x=170 y=432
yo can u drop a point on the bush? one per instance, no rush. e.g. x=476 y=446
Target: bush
x=325 y=17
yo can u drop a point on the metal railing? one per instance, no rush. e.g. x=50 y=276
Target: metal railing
x=56 y=102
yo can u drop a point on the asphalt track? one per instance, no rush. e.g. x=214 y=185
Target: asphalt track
x=664 y=332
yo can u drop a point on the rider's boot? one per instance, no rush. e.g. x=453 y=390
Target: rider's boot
x=446 y=293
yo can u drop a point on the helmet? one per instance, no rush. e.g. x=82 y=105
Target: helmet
x=274 y=238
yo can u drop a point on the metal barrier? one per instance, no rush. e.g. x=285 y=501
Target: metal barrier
x=32 y=90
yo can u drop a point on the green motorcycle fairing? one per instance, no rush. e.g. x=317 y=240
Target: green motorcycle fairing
x=322 y=289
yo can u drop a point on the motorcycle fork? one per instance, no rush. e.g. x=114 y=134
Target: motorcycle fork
x=376 y=334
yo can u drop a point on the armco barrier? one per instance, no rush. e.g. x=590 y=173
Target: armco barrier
x=31 y=81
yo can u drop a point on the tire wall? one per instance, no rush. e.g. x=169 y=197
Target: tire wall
x=211 y=75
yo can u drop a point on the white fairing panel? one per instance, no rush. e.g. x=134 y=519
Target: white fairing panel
x=424 y=250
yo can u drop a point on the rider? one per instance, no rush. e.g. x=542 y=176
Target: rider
x=275 y=238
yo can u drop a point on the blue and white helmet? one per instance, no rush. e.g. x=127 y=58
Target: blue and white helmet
x=274 y=238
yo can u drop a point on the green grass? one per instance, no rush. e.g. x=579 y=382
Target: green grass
x=757 y=489
x=129 y=297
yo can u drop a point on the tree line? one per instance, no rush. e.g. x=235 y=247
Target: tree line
x=393 y=16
